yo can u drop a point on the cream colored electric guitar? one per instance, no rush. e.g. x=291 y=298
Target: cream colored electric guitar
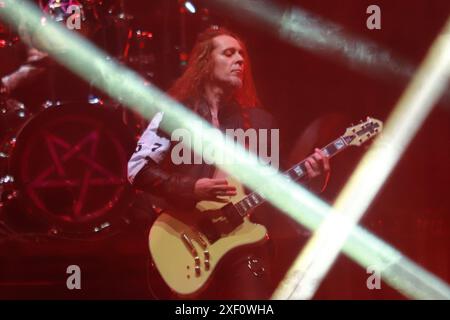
x=187 y=247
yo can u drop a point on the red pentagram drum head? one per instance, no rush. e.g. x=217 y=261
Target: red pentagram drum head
x=69 y=163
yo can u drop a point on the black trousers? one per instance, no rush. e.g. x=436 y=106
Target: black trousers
x=245 y=274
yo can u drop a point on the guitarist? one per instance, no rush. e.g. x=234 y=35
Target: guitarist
x=217 y=84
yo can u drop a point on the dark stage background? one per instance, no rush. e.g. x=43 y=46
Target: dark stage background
x=314 y=98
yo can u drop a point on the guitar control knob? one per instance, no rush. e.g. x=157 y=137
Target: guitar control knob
x=207 y=265
x=197 y=271
x=197 y=266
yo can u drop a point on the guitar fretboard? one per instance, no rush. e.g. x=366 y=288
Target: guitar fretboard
x=295 y=173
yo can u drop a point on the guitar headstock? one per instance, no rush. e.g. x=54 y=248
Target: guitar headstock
x=363 y=131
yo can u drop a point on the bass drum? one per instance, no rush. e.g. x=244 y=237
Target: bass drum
x=69 y=167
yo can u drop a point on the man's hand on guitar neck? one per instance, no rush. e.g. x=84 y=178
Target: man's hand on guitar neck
x=318 y=165
x=212 y=189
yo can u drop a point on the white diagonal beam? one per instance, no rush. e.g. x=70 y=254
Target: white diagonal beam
x=416 y=103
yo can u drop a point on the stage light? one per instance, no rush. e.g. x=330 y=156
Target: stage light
x=189 y=6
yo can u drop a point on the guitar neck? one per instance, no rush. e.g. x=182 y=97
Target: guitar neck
x=295 y=173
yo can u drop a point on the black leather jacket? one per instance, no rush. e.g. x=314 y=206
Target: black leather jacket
x=175 y=183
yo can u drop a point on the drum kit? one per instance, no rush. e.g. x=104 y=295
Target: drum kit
x=63 y=164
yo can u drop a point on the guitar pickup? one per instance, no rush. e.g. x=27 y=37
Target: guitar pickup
x=187 y=241
x=207 y=264
x=202 y=241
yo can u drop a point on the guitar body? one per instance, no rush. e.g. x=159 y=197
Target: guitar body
x=187 y=247
x=186 y=258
